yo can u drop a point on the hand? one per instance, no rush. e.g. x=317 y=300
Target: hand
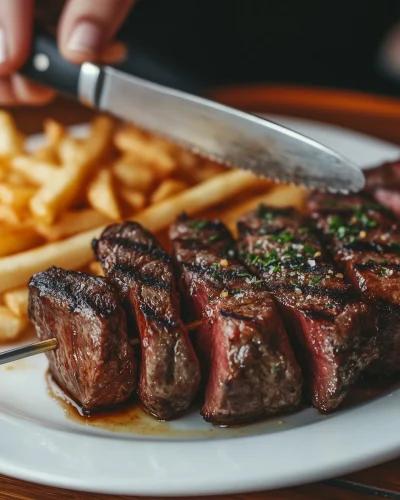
x=84 y=32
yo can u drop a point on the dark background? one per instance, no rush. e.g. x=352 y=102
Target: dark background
x=196 y=43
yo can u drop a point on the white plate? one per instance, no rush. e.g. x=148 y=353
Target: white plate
x=39 y=443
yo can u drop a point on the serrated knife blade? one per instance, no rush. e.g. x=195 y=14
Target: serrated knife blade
x=219 y=132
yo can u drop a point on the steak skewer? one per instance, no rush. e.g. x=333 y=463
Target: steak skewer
x=365 y=239
x=334 y=330
x=137 y=264
x=246 y=357
x=94 y=362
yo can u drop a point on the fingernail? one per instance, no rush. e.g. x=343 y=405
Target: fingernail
x=86 y=37
x=3 y=46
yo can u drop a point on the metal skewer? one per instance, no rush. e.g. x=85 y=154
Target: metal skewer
x=48 y=345
x=27 y=350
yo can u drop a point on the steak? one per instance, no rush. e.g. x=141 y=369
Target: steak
x=248 y=364
x=365 y=239
x=94 y=361
x=383 y=183
x=135 y=261
x=333 y=329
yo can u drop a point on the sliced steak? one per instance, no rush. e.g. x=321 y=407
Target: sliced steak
x=246 y=356
x=383 y=183
x=334 y=330
x=135 y=261
x=365 y=240
x=94 y=361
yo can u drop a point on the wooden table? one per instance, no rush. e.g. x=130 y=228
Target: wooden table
x=377 y=116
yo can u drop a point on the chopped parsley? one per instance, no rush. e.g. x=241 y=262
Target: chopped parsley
x=308 y=249
x=383 y=272
x=282 y=237
x=198 y=224
x=213 y=237
x=315 y=279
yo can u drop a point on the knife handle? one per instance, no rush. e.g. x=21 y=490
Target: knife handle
x=45 y=65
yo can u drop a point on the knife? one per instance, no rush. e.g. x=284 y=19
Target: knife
x=218 y=132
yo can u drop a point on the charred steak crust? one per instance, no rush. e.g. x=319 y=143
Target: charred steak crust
x=334 y=330
x=94 y=361
x=135 y=261
x=365 y=239
x=246 y=356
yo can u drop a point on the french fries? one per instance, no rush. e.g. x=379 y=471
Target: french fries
x=151 y=150
x=80 y=159
x=16 y=196
x=17 y=301
x=10 y=326
x=95 y=268
x=136 y=175
x=135 y=199
x=11 y=140
x=56 y=199
x=34 y=170
x=102 y=197
x=72 y=222
x=18 y=240
x=167 y=189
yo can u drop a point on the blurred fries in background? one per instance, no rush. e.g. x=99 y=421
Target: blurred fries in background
x=55 y=199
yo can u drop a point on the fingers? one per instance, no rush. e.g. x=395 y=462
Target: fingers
x=16 y=90
x=15 y=33
x=86 y=27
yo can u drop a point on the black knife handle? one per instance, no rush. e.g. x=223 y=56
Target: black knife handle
x=45 y=65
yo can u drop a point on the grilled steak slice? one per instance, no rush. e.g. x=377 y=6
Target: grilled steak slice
x=334 y=330
x=365 y=239
x=245 y=352
x=135 y=261
x=383 y=183
x=94 y=361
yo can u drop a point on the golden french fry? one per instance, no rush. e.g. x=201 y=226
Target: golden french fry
x=166 y=189
x=17 y=301
x=277 y=196
x=150 y=149
x=17 y=241
x=9 y=215
x=75 y=252
x=54 y=131
x=16 y=196
x=95 y=268
x=102 y=197
x=63 y=189
x=206 y=171
x=72 y=222
x=135 y=199
x=46 y=154
x=72 y=253
x=137 y=176
x=11 y=140
x=10 y=326
x=211 y=192
x=36 y=171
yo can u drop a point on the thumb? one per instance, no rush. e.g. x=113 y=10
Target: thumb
x=86 y=27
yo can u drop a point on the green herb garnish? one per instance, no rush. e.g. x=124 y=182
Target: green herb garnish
x=198 y=224
x=315 y=279
x=213 y=237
